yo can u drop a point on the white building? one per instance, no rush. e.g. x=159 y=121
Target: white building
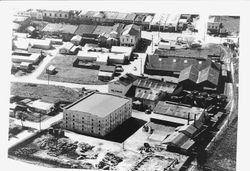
x=97 y=114
x=131 y=35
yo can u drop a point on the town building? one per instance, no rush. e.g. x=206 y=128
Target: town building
x=33 y=58
x=76 y=40
x=68 y=48
x=97 y=114
x=131 y=35
x=149 y=91
x=86 y=31
x=191 y=78
x=106 y=73
x=122 y=85
x=213 y=25
x=41 y=107
x=172 y=66
x=127 y=51
x=64 y=31
x=171 y=112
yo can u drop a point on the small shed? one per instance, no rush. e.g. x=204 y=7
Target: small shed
x=30 y=29
x=76 y=40
x=25 y=66
x=51 y=70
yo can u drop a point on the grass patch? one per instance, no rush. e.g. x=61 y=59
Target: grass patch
x=37 y=91
x=67 y=73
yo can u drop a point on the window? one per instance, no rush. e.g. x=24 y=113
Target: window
x=131 y=40
x=45 y=14
x=66 y=15
x=127 y=39
x=60 y=15
x=55 y=15
x=50 y=14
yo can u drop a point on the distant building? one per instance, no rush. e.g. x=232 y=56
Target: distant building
x=213 y=25
x=97 y=114
x=122 y=85
x=56 y=14
x=26 y=57
x=127 y=51
x=131 y=35
x=41 y=106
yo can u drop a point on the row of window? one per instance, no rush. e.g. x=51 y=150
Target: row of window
x=123 y=40
x=60 y=15
x=92 y=128
x=116 y=91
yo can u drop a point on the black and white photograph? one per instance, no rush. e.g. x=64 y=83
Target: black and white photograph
x=108 y=85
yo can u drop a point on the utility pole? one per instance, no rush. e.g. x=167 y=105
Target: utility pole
x=152 y=43
x=141 y=66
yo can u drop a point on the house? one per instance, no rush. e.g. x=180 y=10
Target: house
x=131 y=35
x=97 y=114
x=171 y=23
x=41 y=107
x=106 y=73
x=76 y=40
x=30 y=29
x=127 y=51
x=191 y=78
x=213 y=25
x=25 y=66
x=179 y=142
x=26 y=57
x=122 y=85
x=68 y=48
x=51 y=70
x=37 y=45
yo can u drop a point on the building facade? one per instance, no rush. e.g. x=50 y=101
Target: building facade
x=97 y=114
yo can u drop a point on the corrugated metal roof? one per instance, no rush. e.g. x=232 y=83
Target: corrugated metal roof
x=131 y=29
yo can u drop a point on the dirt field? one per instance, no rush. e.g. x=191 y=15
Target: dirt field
x=67 y=73
x=223 y=156
x=40 y=90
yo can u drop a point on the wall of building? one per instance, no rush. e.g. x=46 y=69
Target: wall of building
x=118 y=89
x=94 y=125
x=126 y=40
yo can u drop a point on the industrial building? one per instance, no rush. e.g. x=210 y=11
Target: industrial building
x=122 y=85
x=97 y=114
x=25 y=57
x=163 y=65
x=166 y=111
x=106 y=73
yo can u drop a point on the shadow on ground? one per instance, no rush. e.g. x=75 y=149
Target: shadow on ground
x=121 y=133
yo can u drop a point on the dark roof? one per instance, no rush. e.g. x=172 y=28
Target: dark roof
x=209 y=74
x=127 y=79
x=140 y=17
x=103 y=29
x=155 y=84
x=174 y=64
x=189 y=73
x=85 y=29
x=131 y=29
x=192 y=73
x=187 y=53
x=107 y=68
x=148 y=94
x=130 y=16
x=177 y=110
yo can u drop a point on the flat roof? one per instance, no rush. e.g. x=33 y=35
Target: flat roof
x=38 y=104
x=122 y=49
x=99 y=104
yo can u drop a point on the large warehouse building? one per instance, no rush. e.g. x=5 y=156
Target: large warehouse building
x=97 y=114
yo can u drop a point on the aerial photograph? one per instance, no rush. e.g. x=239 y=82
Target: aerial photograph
x=124 y=91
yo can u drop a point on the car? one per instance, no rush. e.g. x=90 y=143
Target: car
x=119 y=69
x=148 y=111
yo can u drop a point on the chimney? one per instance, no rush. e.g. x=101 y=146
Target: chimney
x=188 y=117
x=194 y=120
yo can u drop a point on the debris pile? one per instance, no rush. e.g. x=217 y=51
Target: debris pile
x=109 y=161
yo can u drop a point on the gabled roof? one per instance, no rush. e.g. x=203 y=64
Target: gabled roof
x=147 y=94
x=209 y=74
x=85 y=29
x=127 y=79
x=130 y=16
x=131 y=29
x=189 y=73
